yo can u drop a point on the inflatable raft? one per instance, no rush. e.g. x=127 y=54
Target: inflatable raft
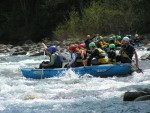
x=107 y=70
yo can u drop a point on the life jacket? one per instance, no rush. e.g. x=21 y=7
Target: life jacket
x=58 y=60
x=101 y=58
x=102 y=43
x=78 y=61
x=127 y=51
x=118 y=42
x=78 y=57
x=83 y=53
x=111 y=56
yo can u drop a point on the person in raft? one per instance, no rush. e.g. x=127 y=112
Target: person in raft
x=111 y=52
x=126 y=52
x=56 y=60
x=97 y=56
x=76 y=58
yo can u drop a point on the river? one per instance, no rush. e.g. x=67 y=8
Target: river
x=68 y=93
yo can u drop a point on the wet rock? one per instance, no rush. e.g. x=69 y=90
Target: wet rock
x=28 y=42
x=3 y=48
x=146 y=56
x=145 y=41
x=36 y=54
x=143 y=98
x=131 y=96
x=19 y=53
x=26 y=47
x=17 y=48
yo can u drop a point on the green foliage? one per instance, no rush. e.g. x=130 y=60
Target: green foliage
x=22 y=20
x=105 y=17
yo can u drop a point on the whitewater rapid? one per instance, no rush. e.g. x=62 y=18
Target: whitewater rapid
x=68 y=93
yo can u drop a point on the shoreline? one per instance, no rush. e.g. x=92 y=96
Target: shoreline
x=35 y=49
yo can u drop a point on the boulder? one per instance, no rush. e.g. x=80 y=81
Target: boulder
x=130 y=96
x=19 y=53
x=143 y=98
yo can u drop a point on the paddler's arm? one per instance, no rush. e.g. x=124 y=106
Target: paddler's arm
x=51 y=62
x=73 y=60
x=53 y=56
x=45 y=48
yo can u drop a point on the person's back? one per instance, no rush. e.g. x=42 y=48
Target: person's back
x=111 y=54
x=58 y=62
x=76 y=58
x=97 y=56
x=55 y=59
x=126 y=52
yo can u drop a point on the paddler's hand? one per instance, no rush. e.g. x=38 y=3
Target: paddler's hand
x=45 y=47
x=44 y=64
x=68 y=66
x=85 y=62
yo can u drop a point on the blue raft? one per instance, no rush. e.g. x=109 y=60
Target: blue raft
x=107 y=70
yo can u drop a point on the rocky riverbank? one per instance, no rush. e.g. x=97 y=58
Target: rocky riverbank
x=34 y=49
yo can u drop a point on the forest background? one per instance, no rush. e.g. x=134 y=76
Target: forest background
x=37 y=20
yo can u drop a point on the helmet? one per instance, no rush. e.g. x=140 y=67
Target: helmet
x=92 y=44
x=119 y=37
x=136 y=35
x=113 y=36
x=81 y=46
x=72 y=47
x=128 y=35
x=126 y=39
x=88 y=36
x=101 y=38
x=111 y=46
x=52 y=48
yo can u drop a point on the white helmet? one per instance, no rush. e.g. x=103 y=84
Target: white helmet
x=88 y=36
x=126 y=39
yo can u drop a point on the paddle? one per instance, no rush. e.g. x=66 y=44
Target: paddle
x=139 y=70
x=45 y=48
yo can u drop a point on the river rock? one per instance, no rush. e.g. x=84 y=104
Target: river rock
x=36 y=54
x=131 y=96
x=19 y=53
x=146 y=56
x=143 y=98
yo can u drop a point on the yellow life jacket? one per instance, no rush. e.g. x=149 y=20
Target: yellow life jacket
x=123 y=53
x=111 y=61
x=101 y=58
x=118 y=42
x=103 y=43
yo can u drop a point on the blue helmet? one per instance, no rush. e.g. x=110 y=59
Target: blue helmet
x=52 y=48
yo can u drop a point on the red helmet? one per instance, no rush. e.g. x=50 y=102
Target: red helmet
x=81 y=46
x=72 y=47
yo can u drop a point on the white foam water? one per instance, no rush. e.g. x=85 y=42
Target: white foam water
x=67 y=93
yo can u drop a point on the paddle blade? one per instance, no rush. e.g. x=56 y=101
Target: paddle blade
x=139 y=70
